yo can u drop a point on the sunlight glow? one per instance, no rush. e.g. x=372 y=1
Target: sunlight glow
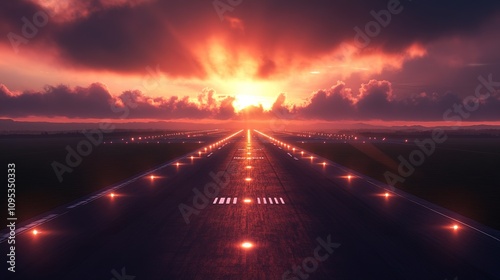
x=246 y=245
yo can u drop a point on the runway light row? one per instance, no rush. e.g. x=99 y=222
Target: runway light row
x=203 y=150
x=112 y=195
x=247 y=244
x=349 y=177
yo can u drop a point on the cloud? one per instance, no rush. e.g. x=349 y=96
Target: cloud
x=266 y=69
x=235 y=23
x=126 y=36
x=376 y=100
x=90 y=102
x=331 y=104
x=96 y=102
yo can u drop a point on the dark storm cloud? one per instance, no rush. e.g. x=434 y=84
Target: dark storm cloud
x=126 y=38
x=96 y=102
x=335 y=103
x=376 y=101
x=11 y=14
x=91 y=102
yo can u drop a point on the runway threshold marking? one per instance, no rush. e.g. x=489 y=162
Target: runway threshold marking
x=234 y=200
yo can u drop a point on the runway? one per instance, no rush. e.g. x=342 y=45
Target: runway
x=252 y=207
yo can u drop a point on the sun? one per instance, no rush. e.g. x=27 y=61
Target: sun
x=243 y=100
x=251 y=93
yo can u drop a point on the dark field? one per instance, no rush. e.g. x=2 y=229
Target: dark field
x=463 y=174
x=37 y=186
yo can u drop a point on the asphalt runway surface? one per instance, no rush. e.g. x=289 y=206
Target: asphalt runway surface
x=251 y=207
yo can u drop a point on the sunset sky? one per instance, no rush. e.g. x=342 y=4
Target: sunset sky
x=344 y=60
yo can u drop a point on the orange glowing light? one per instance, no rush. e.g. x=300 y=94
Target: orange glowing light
x=35 y=232
x=455 y=227
x=249 y=167
x=246 y=245
x=247 y=200
x=248 y=179
x=152 y=177
x=386 y=194
x=112 y=195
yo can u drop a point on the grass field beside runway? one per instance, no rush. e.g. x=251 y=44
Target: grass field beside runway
x=37 y=186
x=461 y=175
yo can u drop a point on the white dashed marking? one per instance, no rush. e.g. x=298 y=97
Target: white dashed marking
x=260 y=200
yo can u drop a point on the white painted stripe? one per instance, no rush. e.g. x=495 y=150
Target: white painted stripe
x=228 y=200
x=258 y=200
x=51 y=216
x=215 y=200
x=282 y=201
x=234 y=200
x=265 y=201
x=221 y=200
x=270 y=201
x=275 y=199
x=74 y=205
x=30 y=225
